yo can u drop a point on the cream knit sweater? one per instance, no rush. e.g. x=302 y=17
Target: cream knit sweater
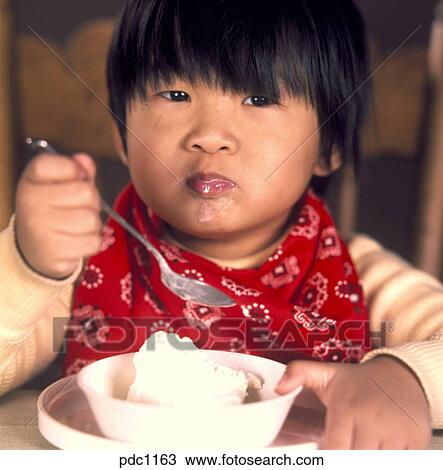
x=395 y=292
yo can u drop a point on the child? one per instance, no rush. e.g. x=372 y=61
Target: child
x=226 y=111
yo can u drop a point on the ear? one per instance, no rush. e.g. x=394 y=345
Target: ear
x=118 y=144
x=321 y=168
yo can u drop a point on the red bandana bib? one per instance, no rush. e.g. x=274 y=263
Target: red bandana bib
x=305 y=301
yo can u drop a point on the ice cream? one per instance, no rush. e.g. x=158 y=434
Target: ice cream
x=170 y=371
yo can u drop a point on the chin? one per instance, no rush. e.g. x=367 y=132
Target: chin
x=211 y=230
x=206 y=219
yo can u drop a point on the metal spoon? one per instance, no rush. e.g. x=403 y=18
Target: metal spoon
x=187 y=289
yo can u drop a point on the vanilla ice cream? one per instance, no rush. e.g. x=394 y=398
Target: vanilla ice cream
x=170 y=371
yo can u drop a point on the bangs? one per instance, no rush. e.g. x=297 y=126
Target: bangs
x=314 y=51
x=229 y=46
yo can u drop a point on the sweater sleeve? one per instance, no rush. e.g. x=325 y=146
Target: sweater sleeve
x=30 y=338
x=410 y=303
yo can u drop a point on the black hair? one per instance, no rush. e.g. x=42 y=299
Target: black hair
x=315 y=48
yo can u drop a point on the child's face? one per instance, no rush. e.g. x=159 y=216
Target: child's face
x=206 y=130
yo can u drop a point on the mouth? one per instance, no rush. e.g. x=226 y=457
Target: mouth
x=210 y=185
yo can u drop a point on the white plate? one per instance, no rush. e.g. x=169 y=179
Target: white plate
x=66 y=421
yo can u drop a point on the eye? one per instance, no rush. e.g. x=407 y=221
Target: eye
x=260 y=101
x=255 y=100
x=175 y=95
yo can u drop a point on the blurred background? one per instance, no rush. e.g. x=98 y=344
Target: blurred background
x=397 y=200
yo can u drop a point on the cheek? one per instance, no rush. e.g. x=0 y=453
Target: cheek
x=152 y=150
x=285 y=177
x=150 y=175
x=282 y=190
x=150 y=154
x=288 y=155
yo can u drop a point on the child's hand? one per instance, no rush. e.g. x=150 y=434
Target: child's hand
x=372 y=405
x=58 y=213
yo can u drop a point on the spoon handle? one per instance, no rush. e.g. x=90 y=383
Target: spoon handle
x=128 y=227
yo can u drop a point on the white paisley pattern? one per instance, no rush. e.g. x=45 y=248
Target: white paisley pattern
x=329 y=243
x=307 y=223
x=201 y=315
x=126 y=289
x=108 y=238
x=257 y=312
x=335 y=350
x=193 y=274
x=312 y=320
x=172 y=252
x=315 y=293
x=92 y=277
x=238 y=289
x=283 y=273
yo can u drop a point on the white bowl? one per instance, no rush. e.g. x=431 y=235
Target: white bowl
x=248 y=425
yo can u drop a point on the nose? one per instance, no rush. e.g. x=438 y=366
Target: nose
x=211 y=138
x=209 y=146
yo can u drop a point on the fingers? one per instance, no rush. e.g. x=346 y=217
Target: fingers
x=74 y=221
x=87 y=164
x=292 y=378
x=49 y=168
x=311 y=374
x=69 y=195
x=58 y=213
x=79 y=247
x=338 y=432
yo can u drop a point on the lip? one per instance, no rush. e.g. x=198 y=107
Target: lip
x=210 y=184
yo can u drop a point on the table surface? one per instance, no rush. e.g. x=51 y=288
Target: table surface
x=19 y=423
